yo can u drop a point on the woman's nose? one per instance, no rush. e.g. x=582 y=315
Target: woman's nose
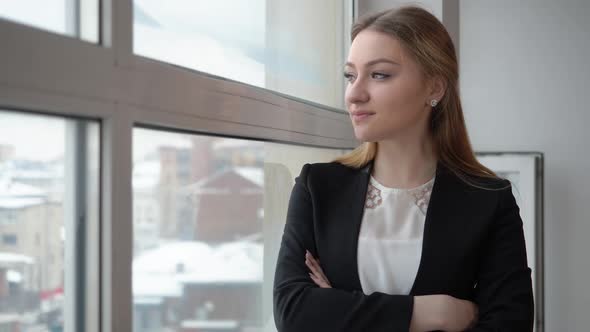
x=356 y=93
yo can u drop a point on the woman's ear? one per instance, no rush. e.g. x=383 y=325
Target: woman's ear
x=437 y=89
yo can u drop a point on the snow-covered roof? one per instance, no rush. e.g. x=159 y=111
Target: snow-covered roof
x=19 y=203
x=164 y=270
x=166 y=258
x=33 y=169
x=235 y=262
x=155 y=286
x=15 y=194
x=36 y=174
x=7 y=257
x=149 y=300
x=12 y=188
x=14 y=276
x=147 y=168
x=146 y=174
x=209 y=324
x=252 y=174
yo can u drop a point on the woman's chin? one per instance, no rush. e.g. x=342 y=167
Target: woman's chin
x=364 y=136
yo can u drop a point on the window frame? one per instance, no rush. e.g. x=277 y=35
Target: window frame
x=46 y=72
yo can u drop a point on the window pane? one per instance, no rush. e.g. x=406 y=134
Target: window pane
x=76 y=18
x=208 y=214
x=48 y=194
x=294 y=47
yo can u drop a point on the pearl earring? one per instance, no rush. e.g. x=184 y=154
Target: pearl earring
x=433 y=102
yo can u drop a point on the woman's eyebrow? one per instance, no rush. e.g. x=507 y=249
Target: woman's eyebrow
x=373 y=62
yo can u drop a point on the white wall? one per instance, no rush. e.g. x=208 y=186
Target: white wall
x=525 y=75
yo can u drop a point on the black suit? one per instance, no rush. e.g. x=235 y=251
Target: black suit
x=473 y=249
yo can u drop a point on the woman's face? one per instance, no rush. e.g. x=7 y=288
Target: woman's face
x=384 y=81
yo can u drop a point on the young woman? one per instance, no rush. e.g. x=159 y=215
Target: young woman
x=408 y=232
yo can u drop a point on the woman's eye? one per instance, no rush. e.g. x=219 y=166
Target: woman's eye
x=379 y=76
x=348 y=76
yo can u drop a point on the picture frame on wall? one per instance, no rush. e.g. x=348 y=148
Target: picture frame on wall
x=525 y=171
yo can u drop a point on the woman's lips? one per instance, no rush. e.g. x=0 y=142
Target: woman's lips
x=360 y=116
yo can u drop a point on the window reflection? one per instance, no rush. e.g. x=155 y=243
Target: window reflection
x=198 y=249
x=258 y=42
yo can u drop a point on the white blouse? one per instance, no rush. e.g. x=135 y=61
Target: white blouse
x=390 y=239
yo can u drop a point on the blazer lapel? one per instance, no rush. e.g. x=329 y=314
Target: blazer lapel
x=450 y=210
x=439 y=200
x=358 y=206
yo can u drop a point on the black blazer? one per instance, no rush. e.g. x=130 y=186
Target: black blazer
x=473 y=248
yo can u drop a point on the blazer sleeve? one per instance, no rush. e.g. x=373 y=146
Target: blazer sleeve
x=504 y=292
x=300 y=305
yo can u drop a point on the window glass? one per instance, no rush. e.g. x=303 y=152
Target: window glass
x=208 y=215
x=76 y=18
x=293 y=47
x=47 y=165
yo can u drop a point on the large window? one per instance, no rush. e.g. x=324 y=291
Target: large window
x=48 y=205
x=294 y=47
x=189 y=223
x=208 y=215
x=76 y=18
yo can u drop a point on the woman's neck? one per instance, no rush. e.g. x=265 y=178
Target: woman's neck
x=404 y=164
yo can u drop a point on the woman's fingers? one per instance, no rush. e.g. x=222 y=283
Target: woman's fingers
x=312 y=266
x=318 y=281
x=315 y=266
x=315 y=263
x=317 y=274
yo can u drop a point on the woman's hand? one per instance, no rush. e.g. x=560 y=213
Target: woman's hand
x=442 y=312
x=458 y=314
x=317 y=274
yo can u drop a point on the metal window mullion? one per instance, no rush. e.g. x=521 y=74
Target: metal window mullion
x=123 y=32
x=116 y=29
x=74 y=223
x=116 y=314
x=116 y=230
x=81 y=213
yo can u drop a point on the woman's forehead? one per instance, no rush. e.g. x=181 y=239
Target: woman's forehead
x=369 y=45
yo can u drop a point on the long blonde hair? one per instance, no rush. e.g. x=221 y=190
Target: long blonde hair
x=429 y=43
